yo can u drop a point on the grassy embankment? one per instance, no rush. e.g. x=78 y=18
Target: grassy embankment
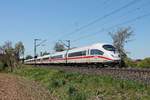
x=75 y=86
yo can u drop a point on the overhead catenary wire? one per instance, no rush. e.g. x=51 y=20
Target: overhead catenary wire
x=128 y=21
x=41 y=43
x=128 y=12
x=102 y=17
x=54 y=41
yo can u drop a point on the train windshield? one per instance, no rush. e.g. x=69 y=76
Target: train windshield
x=109 y=47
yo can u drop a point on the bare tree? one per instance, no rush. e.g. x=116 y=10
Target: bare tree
x=59 y=47
x=9 y=55
x=120 y=38
x=19 y=50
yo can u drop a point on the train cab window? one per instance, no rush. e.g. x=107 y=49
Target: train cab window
x=109 y=47
x=74 y=54
x=96 y=52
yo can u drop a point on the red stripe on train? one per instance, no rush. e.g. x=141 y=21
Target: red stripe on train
x=81 y=57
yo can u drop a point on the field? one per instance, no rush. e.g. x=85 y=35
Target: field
x=13 y=87
x=76 y=86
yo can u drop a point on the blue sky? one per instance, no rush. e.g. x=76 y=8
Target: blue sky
x=24 y=20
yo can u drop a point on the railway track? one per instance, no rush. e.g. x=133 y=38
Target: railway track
x=140 y=75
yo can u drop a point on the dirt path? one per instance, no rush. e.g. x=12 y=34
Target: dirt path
x=17 y=88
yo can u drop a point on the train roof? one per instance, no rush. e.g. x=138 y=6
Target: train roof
x=29 y=59
x=97 y=45
x=81 y=48
x=45 y=56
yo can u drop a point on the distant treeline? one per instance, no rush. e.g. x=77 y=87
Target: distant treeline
x=140 y=63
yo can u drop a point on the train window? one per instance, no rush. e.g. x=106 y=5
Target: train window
x=38 y=59
x=74 y=54
x=46 y=58
x=58 y=56
x=109 y=47
x=96 y=52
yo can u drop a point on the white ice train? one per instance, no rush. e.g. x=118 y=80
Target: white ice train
x=96 y=54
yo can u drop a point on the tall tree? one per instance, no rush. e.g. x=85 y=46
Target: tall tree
x=45 y=53
x=120 y=38
x=8 y=55
x=19 y=50
x=59 y=47
x=28 y=57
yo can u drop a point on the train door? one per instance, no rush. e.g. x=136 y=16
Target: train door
x=88 y=58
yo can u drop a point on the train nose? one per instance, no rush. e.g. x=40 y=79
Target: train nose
x=115 y=56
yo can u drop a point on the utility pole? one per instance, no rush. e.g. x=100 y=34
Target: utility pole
x=67 y=50
x=68 y=45
x=35 y=45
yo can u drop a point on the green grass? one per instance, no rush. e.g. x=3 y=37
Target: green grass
x=75 y=86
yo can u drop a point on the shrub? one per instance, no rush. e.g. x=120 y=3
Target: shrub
x=78 y=96
x=74 y=94
x=144 y=63
x=130 y=63
x=1 y=66
x=141 y=64
x=55 y=83
x=71 y=90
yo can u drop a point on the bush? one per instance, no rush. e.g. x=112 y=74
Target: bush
x=55 y=83
x=74 y=94
x=71 y=90
x=78 y=96
x=144 y=63
x=130 y=63
x=1 y=66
